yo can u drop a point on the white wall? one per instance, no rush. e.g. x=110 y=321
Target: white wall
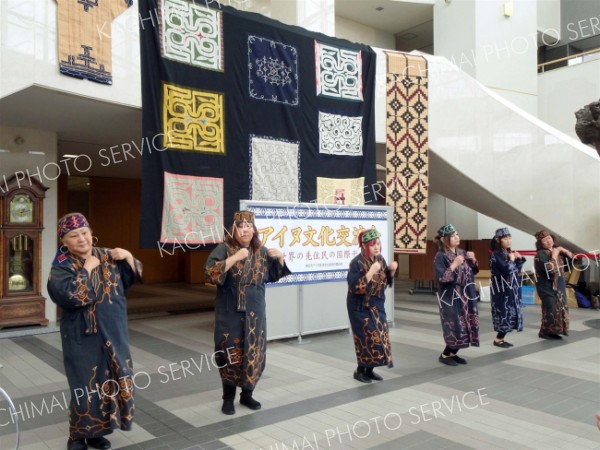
x=356 y=32
x=18 y=159
x=548 y=18
x=579 y=20
x=566 y=90
x=454 y=33
x=507 y=51
x=499 y=51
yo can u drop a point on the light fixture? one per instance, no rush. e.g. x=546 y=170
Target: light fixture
x=33 y=152
x=508 y=9
x=3 y=150
x=408 y=36
x=70 y=156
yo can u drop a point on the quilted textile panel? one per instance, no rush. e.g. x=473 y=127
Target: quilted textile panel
x=407 y=163
x=235 y=96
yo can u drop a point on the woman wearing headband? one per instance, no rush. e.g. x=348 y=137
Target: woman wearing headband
x=240 y=267
x=505 y=288
x=89 y=284
x=457 y=299
x=368 y=277
x=550 y=286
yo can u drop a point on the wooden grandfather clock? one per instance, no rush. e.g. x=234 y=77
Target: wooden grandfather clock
x=21 y=225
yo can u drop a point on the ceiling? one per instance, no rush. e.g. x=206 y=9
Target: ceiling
x=83 y=125
x=410 y=21
x=395 y=17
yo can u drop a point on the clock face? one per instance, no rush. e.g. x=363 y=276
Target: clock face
x=21 y=209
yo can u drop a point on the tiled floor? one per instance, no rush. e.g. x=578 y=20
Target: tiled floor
x=539 y=394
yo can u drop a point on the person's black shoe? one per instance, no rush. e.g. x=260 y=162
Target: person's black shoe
x=503 y=344
x=458 y=359
x=228 y=407
x=555 y=336
x=248 y=401
x=544 y=336
x=449 y=361
x=374 y=376
x=100 y=443
x=77 y=444
x=362 y=377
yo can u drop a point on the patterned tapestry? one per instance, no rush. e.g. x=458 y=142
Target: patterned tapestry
x=85 y=37
x=340 y=135
x=193 y=119
x=192 y=209
x=274 y=169
x=237 y=106
x=407 y=172
x=339 y=72
x=341 y=191
x=191 y=35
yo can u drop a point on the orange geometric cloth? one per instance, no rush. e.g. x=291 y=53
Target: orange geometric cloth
x=407 y=175
x=85 y=37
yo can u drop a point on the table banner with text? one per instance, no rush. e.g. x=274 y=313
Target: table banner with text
x=318 y=241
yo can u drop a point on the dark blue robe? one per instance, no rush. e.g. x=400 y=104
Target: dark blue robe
x=366 y=309
x=457 y=299
x=95 y=342
x=551 y=288
x=240 y=317
x=505 y=290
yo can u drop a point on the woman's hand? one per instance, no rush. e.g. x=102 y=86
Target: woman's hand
x=91 y=263
x=565 y=251
x=274 y=253
x=120 y=254
x=376 y=267
x=555 y=252
x=393 y=267
x=457 y=262
x=241 y=254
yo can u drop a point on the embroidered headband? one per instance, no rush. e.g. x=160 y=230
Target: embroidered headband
x=542 y=234
x=243 y=216
x=502 y=232
x=370 y=235
x=71 y=222
x=446 y=230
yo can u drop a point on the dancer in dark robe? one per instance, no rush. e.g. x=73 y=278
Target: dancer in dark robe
x=550 y=285
x=240 y=267
x=505 y=265
x=454 y=270
x=89 y=284
x=368 y=277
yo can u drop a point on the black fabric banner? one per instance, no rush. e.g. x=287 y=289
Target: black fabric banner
x=233 y=106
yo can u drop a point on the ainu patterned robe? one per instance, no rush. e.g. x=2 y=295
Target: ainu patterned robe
x=507 y=313
x=366 y=309
x=551 y=288
x=240 y=317
x=457 y=299
x=95 y=342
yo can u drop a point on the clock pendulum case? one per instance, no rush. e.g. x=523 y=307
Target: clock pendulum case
x=21 y=225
